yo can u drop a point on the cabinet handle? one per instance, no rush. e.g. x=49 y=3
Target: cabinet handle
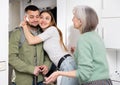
x=102 y=4
x=103 y=33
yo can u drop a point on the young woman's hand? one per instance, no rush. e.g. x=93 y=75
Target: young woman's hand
x=23 y=24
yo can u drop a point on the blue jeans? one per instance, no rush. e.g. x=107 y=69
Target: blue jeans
x=68 y=65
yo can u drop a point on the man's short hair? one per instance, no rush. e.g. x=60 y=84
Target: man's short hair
x=32 y=8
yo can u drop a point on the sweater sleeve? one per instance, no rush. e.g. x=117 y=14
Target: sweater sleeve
x=14 y=60
x=84 y=60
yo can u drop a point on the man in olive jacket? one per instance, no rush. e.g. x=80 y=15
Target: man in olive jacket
x=27 y=59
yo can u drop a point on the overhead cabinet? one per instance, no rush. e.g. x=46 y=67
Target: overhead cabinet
x=111 y=32
x=110 y=20
x=110 y=8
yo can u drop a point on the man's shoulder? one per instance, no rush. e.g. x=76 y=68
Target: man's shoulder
x=14 y=33
x=16 y=30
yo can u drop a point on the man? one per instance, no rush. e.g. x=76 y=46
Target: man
x=28 y=61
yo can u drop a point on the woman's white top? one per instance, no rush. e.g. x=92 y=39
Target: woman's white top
x=52 y=44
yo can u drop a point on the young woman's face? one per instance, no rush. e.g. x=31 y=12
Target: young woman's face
x=77 y=23
x=45 y=20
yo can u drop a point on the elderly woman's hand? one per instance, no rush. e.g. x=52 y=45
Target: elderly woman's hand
x=52 y=78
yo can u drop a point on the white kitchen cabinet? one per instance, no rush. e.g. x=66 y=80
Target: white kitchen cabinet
x=110 y=23
x=110 y=8
x=111 y=32
x=110 y=19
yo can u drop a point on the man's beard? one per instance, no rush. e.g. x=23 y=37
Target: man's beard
x=32 y=26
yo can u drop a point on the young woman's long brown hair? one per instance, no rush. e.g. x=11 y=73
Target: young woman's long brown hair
x=53 y=23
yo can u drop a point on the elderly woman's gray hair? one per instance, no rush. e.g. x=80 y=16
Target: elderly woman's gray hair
x=87 y=16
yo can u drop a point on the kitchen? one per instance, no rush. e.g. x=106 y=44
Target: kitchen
x=108 y=28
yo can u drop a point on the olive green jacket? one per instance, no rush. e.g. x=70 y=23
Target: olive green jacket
x=23 y=59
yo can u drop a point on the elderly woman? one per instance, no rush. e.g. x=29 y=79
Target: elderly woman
x=90 y=53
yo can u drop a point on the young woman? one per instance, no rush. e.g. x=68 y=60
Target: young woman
x=90 y=53
x=53 y=45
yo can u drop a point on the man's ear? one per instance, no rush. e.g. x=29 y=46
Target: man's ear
x=25 y=18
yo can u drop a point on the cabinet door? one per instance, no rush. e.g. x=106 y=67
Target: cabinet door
x=110 y=8
x=111 y=32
